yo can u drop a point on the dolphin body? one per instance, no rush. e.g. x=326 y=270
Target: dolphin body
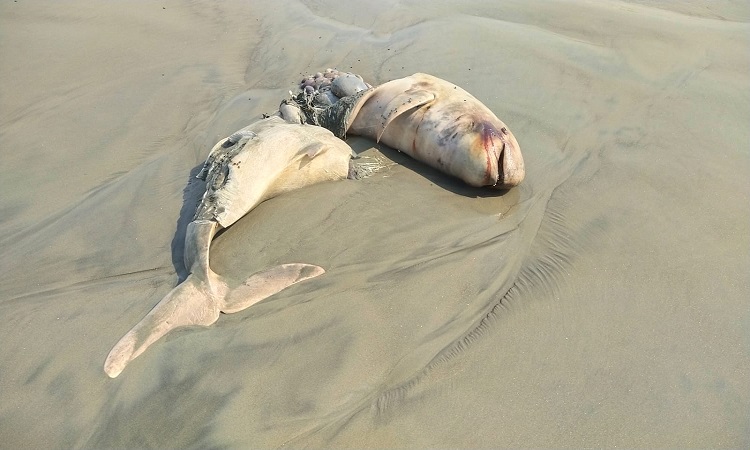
x=274 y=155
x=431 y=120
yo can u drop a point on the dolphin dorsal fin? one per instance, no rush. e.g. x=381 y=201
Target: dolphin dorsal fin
x=404 y=102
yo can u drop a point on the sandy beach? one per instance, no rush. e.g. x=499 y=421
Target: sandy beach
x=599 y=304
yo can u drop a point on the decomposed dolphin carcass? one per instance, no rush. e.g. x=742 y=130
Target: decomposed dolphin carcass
x=269 y=157
x=430 y=119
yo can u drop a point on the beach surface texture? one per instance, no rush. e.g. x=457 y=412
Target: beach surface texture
x=601 y=303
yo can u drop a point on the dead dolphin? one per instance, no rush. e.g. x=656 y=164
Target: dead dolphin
x=269 y=157
x=431 y=120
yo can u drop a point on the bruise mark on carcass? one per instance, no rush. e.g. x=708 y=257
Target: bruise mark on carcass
x=488 y=143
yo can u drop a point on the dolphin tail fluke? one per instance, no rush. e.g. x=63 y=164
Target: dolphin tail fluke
x=267 y=282
x=199 y=302
x=192 y=302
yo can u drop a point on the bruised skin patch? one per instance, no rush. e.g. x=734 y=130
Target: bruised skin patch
x=457 y=127
x=488 y=142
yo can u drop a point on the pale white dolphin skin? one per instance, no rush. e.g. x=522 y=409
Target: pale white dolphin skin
x=260 y=161
x=433 y=121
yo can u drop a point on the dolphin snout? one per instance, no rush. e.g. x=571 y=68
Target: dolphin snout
x=510 y=164
x=504 y=161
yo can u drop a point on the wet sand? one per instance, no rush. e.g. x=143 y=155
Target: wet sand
x=600 y=304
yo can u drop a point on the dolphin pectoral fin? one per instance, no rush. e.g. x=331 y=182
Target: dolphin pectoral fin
x=315 y=149
x=402 y=103
x=264 y=284
x=187 y=304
